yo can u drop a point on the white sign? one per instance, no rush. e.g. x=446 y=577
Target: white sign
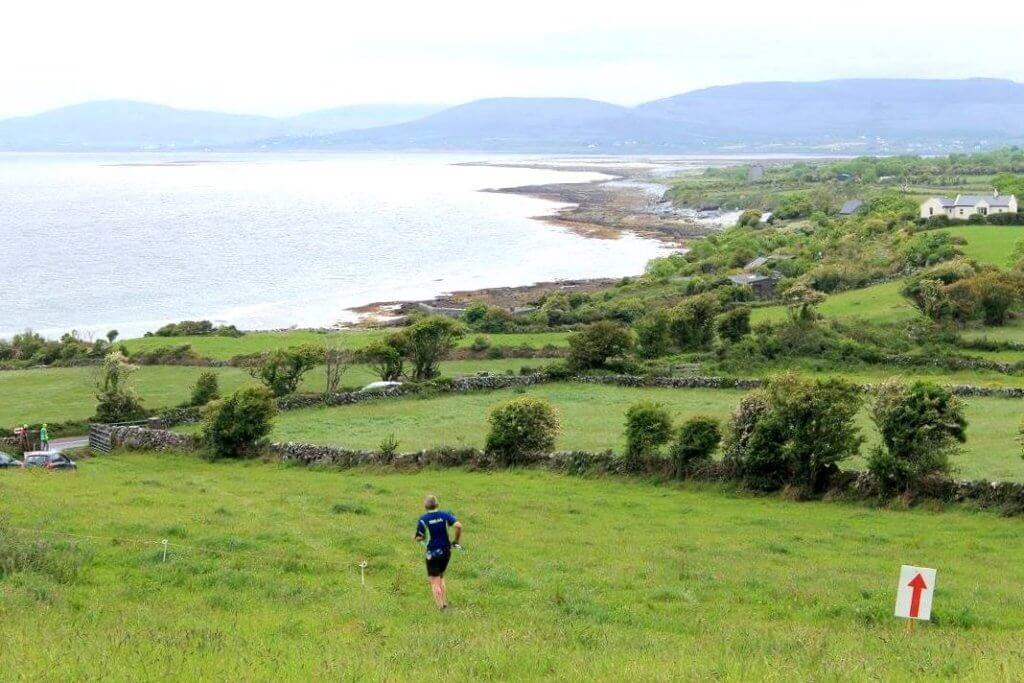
x=914 y=592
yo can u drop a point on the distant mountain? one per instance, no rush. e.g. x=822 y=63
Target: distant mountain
x=125 y=125
x=856 y=115
x=900 y=109
x=361 y=116
x=508 y=123
x=850 y=116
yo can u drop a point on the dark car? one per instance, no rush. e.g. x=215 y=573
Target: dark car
x=51 y=461
x=7 y=461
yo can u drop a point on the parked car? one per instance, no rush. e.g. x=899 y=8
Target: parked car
x=379 y=387
x=9 y=461
x=50 y=461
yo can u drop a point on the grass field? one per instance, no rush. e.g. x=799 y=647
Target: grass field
x=992 y=244
x=572 y=579
x=879 y=303
x=223 y=348
x=60 y=394
x=593 y=418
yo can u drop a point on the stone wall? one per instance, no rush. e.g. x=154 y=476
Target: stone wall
x=142 y=439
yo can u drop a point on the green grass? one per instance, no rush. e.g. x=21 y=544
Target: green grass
x=223 y=348
x=62 y=394
x=992 y=244
x=1012 y=331
x=593 y=418
x=562 y=578
x=879 y=303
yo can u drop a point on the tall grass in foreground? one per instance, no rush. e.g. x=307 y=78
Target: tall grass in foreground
x=562 y=577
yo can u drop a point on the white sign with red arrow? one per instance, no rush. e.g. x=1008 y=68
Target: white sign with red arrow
x=914 y=592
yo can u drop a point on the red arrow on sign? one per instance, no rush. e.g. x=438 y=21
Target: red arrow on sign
x=918 y=584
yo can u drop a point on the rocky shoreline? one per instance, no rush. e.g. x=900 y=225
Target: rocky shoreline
x=629 y=200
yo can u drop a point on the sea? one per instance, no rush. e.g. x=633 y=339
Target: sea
x=93 y=242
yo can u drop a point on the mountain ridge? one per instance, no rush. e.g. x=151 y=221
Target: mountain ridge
x=854 y=115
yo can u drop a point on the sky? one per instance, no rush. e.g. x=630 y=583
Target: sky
x=282 y=58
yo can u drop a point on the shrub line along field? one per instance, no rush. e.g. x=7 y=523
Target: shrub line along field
x=707 y=586
x=593 y=418
x=224 y=348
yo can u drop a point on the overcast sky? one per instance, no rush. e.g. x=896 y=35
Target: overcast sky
x=288 y=57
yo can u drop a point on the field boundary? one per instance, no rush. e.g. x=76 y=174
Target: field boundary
x=852 y=485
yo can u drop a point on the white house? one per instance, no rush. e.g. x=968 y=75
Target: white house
x=966 y=205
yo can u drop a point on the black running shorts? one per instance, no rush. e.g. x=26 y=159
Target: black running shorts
x=438 y=563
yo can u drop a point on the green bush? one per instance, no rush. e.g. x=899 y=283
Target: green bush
x=430 y=340
x=921 y=425
x=204 y=390
x=750 y=218
x=648 y=428
x=386 y=356
x=522 y=427
x=653 y=336
x=734 y=324
x=692 y=324
x=238 y=425
x=596 y=344
x=794 y=432
x=116 y=400
x=697 y=439
x=196 y=328
x=282 y=370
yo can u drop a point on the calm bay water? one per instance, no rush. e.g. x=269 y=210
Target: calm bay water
x=93 y=242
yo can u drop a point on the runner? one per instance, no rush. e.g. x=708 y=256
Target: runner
x=44 y=438
x=432 y=531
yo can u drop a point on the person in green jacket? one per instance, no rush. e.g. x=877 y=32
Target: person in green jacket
x=44 y=438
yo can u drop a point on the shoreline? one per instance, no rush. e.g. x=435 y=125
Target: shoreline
x=623 y=202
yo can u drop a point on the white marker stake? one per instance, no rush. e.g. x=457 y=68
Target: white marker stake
x=362 y=572
x=914 y=593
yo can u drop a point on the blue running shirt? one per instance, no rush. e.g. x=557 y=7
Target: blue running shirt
x=433 y=526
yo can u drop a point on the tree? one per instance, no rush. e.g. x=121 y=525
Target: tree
x=238 y=425
x=205 y=389
x=282 y=370
x=336 y=363
x=921 y=426
x=734 y=324
x=115 y=394
x=801 y=302
x=653 y=335
x=522 y=427
x=998 y=292
x=794 y=431
x=112 y=335
x=697 y=439
x=693 y=321
x=594 y=345
x=648 y=428
x=430 y=341
x=386 y=356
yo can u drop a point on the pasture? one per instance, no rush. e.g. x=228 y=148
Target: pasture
x=565 y=578
x=224 y=348
x=593 y=418
x=65 y=394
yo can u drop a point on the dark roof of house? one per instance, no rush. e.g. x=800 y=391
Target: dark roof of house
x=999 y=200
x=967 y=200
x=851 y=207
x=750 y=278
x=765 y=260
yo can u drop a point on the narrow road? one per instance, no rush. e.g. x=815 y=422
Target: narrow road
x=58 y=445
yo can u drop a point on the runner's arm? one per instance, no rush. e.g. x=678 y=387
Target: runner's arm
x=458 y=532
